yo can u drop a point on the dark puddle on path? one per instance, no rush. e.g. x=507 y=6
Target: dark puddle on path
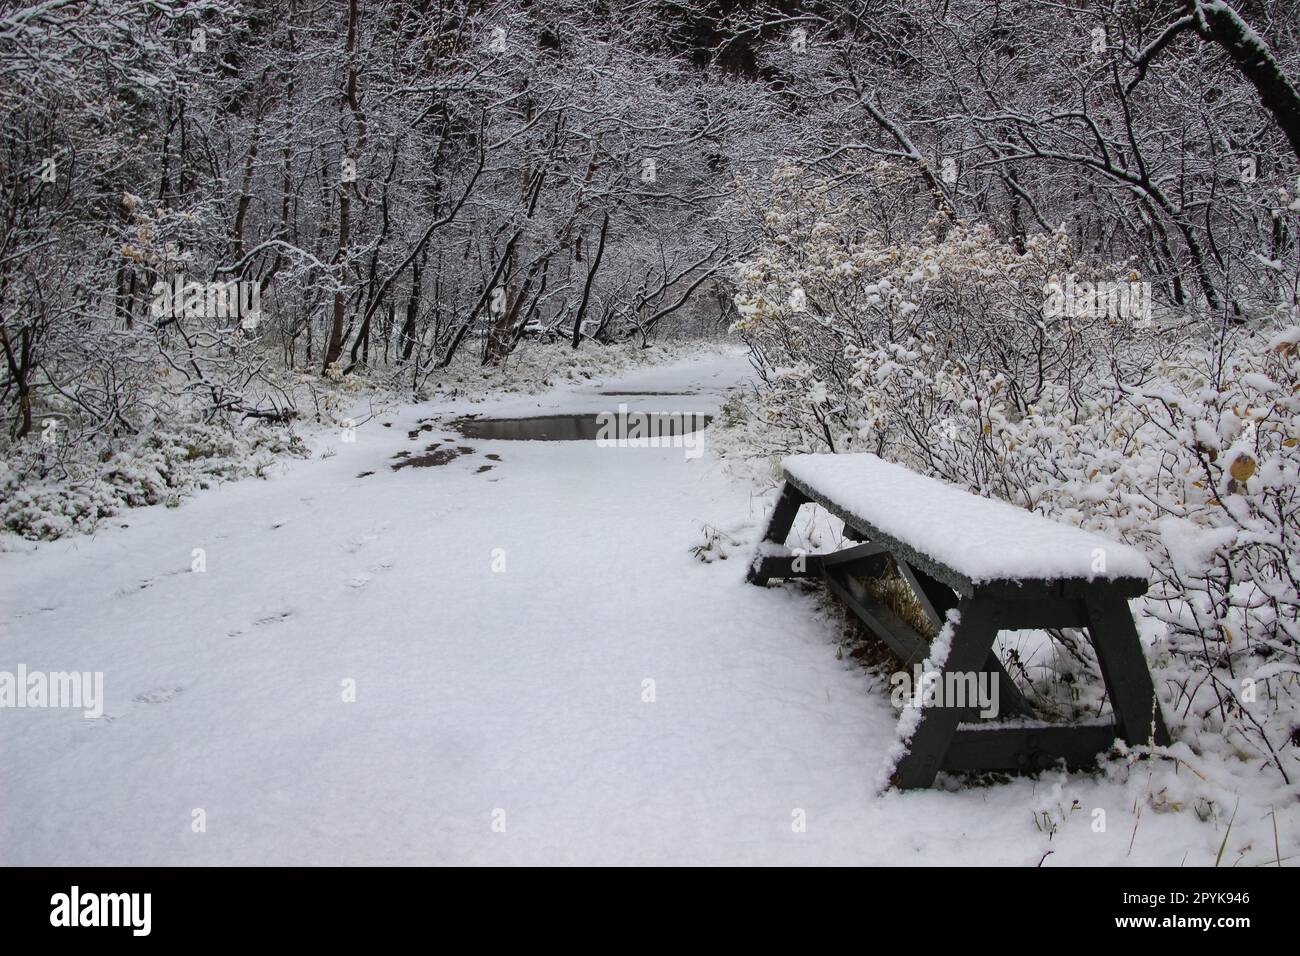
x=585 y=427
x=645 y=393
x=435 y=455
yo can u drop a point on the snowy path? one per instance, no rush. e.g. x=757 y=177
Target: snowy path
x=476 y=690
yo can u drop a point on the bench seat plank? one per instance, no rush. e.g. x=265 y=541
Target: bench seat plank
x=961 y=539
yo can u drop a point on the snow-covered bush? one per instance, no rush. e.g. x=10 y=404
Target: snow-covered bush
x=60 y=487
x=934 y=348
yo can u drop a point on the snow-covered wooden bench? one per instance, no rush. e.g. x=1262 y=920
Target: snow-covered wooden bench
x=998 y=567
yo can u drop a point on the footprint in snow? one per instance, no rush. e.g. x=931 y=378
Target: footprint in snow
x=362 y=578
x=359 y=542
x=160 y=695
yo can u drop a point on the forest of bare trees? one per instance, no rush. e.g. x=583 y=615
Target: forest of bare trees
x=409 y=183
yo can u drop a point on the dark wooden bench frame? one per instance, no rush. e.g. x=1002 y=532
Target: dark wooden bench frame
x=1100 y=606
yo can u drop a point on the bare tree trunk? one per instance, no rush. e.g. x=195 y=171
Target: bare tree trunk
x=407 y=337
x=591 y=278
x=335 y=347
x=1219 y=22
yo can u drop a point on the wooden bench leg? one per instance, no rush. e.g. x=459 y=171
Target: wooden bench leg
x=971 y=642
x=778 y=529
x=937 y=599
x=1124 y=669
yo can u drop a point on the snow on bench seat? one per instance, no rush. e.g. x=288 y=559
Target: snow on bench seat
x=980 y=539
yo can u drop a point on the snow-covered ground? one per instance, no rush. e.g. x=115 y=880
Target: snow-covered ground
x=500 y=628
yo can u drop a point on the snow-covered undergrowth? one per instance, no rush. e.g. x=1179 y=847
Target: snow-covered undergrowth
x=1173 y=433
x=58 y=488
x=73 y=473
